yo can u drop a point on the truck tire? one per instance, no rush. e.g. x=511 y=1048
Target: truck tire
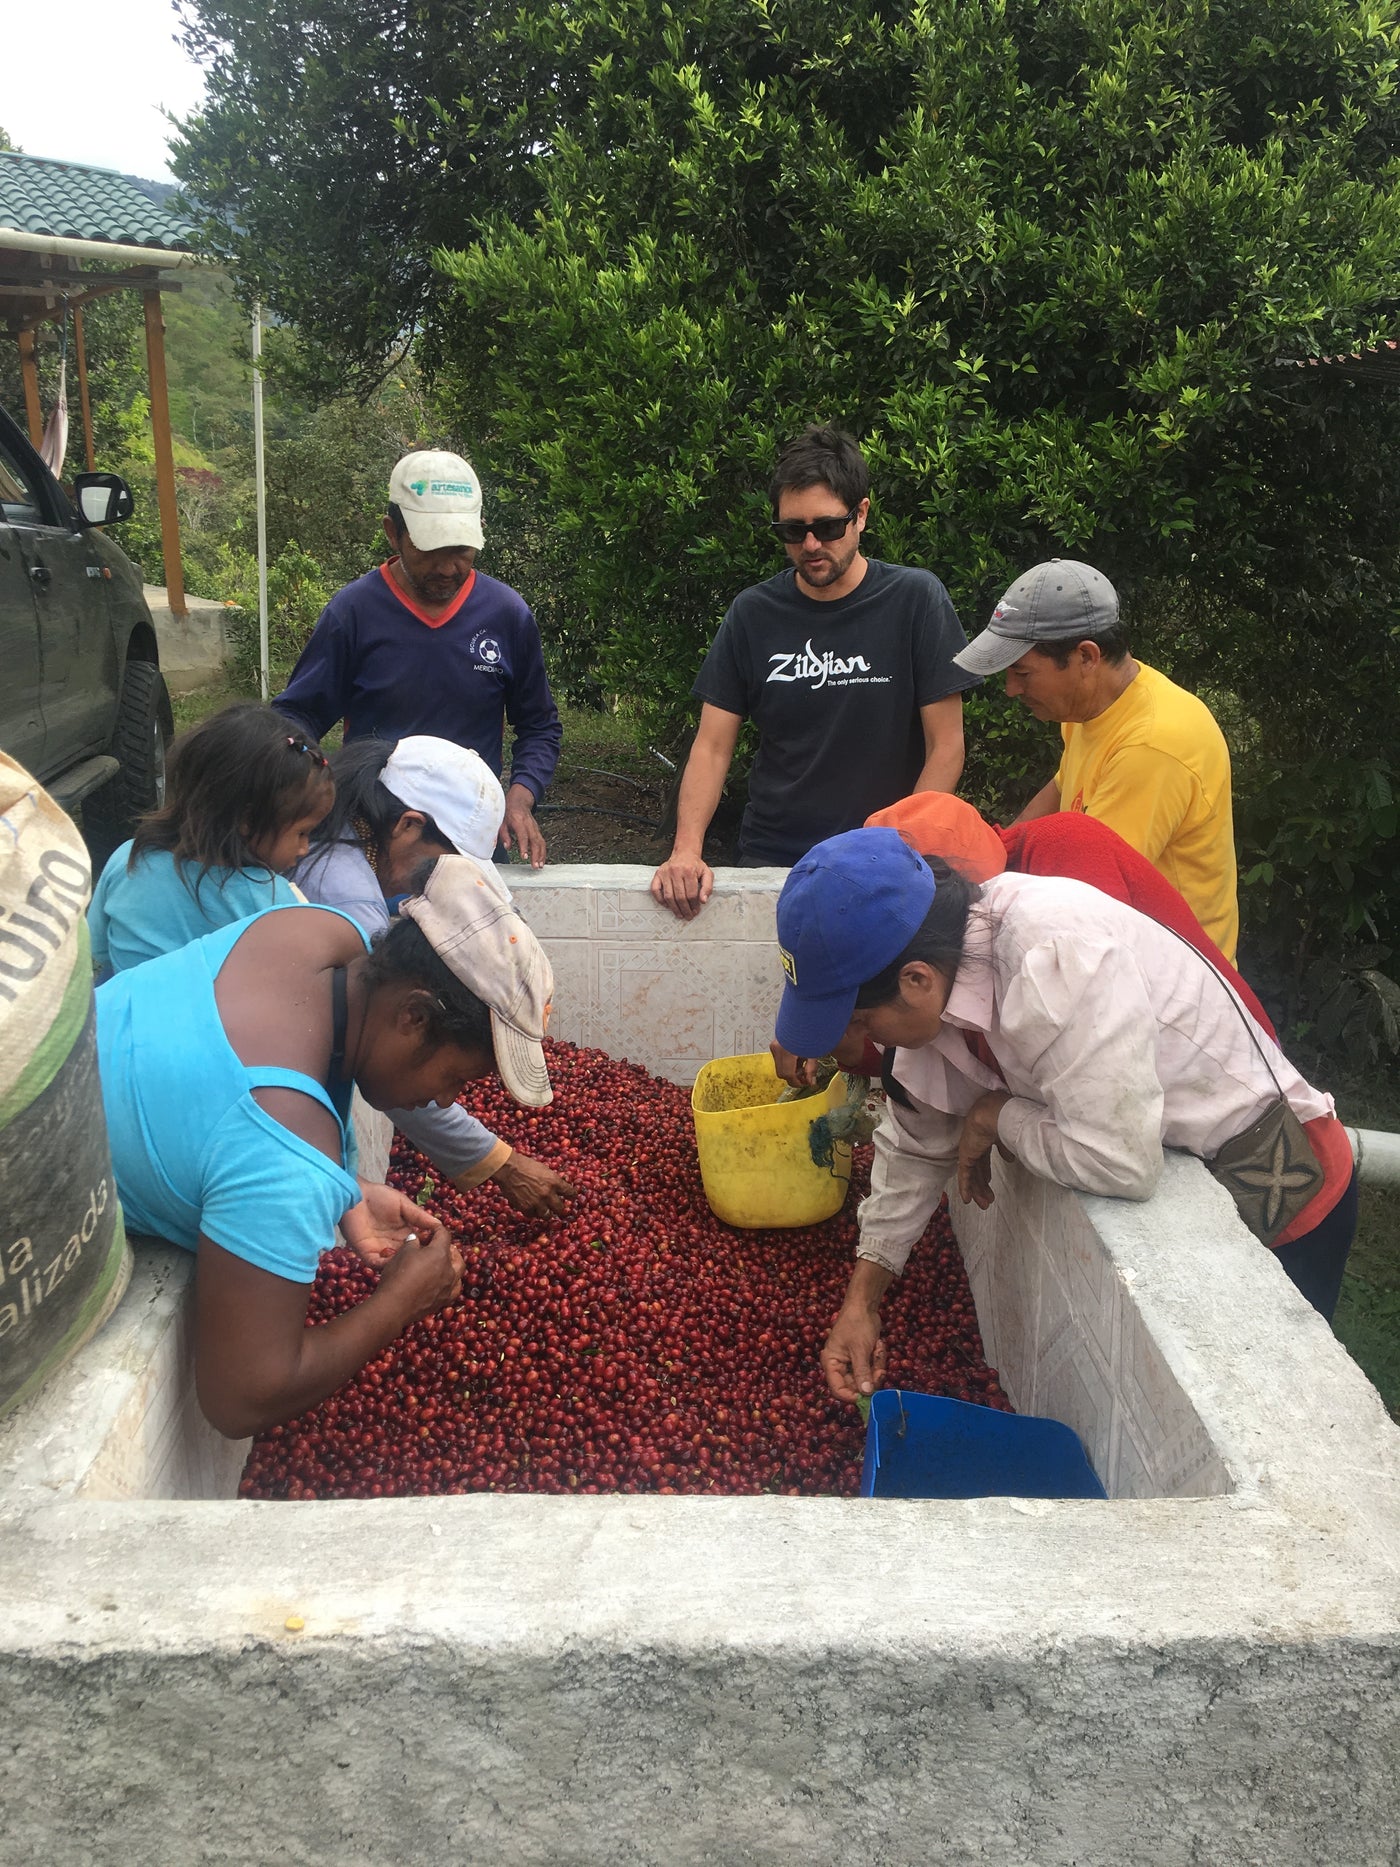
x=144 y=729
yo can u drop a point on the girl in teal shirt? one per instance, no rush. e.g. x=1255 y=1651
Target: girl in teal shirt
x=243 y=796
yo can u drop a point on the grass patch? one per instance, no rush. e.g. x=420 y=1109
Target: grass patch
x=1367 y=1322
x=190 y=709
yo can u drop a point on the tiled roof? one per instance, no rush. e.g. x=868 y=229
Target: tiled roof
x=77 y=203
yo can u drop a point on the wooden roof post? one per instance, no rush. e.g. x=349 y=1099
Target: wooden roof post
x=29 y=372
x=165 y=458
x=81 y=349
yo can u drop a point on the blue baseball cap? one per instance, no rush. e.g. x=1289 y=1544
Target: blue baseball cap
x=847 y=909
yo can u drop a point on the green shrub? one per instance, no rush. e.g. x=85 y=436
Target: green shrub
x=297 y=592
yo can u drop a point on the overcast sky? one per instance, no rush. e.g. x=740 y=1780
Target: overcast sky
x=87 y=80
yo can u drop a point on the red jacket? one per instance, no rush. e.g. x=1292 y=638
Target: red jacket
x=1070 y=844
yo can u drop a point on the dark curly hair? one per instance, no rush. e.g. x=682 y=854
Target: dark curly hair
x=404 y=956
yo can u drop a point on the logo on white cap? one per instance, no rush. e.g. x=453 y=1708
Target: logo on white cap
x=439 y=496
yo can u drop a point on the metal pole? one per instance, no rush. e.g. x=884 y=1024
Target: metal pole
x=261 y=486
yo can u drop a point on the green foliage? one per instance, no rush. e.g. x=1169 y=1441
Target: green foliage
x=209 y=351
x=297 y=592
x=327 y=478
x=337 y=146
x=1318 y=898
x=116 y=358
x=1048 y=260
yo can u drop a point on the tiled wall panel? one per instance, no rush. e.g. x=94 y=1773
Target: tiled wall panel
x=631 y=979
x=1059 y=1323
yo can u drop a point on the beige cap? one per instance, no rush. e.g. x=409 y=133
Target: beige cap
x=468 y=919
x=439 y=496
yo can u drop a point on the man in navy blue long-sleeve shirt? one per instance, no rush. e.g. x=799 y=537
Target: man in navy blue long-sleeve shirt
x=427 y=644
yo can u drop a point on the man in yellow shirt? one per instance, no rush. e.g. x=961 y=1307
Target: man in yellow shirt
x=1140 y=753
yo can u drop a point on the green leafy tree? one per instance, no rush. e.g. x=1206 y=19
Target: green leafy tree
x=339 y=144
x=1056 y=262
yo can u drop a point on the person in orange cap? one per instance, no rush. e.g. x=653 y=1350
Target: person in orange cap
x=1068 y=844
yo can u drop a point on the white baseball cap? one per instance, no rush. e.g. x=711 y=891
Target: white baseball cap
x=469 y=921
x=451 y=784
x=439 y=496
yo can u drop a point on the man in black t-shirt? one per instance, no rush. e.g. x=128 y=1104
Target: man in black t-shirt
x=844 y=664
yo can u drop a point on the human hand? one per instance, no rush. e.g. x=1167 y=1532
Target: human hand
x=853 y=1358
x=796 y=1072
x=378 y=1225
x=533 y=1188
x=683 y=884
x=975 y=1143
x=521 y=827
x=422 y=1276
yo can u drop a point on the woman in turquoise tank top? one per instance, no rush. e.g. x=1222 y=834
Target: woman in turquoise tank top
x=227 y=1068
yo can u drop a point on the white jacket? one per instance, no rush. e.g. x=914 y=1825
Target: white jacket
x=1115 y=1037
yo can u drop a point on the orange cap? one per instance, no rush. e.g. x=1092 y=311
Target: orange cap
x=936 y=823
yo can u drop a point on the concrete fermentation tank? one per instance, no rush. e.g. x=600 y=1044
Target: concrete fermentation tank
x=1202 y=1669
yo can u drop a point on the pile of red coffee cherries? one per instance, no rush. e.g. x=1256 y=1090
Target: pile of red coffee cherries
x=636 y=1345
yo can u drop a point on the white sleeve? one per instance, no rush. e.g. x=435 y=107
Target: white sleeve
x=1079 y=1019
x=915 y=1151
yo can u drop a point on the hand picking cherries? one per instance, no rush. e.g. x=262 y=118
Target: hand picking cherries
x=636 y=1345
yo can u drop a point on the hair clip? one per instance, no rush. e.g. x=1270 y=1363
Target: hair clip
x=314 y=753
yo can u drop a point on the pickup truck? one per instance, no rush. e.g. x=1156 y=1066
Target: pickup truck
x=83 y=706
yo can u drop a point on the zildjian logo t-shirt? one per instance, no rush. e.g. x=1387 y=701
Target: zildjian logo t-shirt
x=835 y=691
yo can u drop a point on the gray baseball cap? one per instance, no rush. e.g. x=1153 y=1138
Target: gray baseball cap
x=1058 y=601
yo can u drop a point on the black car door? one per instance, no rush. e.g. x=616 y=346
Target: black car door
x=70 y=599
x=21 y=711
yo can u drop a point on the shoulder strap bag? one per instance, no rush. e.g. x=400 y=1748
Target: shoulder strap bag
x=1269 y=1170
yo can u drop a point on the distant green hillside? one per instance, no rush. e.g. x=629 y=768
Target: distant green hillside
x=209 y=360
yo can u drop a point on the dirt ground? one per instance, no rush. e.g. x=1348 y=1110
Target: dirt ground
x=613 y=801
x=608 y=800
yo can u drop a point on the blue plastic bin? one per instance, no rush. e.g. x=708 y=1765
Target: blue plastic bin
x=921 y=1445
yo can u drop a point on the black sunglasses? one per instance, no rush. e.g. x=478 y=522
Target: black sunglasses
x=825 y=531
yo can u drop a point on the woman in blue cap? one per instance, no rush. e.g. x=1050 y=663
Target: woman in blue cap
x=1040 y=1016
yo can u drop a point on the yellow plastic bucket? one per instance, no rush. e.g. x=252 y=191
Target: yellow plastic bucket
x=754 y=1154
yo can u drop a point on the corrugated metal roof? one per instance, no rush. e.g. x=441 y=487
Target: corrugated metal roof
x=73 y=202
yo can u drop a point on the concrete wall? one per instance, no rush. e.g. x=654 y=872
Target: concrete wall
x=1200 y=1673
x=194 y=648
x=1063 y=1320
x=122 y=1421
x=632 y=980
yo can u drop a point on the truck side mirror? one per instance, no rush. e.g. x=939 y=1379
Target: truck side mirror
x=103 y=498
